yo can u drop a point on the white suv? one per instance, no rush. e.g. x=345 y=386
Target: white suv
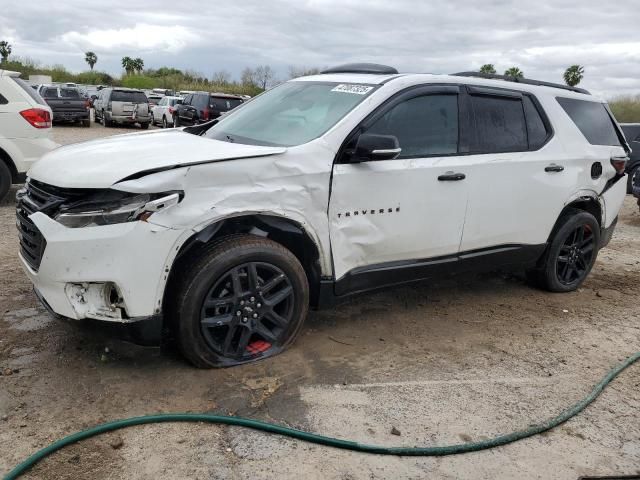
x=25 y=129
x=320 y=188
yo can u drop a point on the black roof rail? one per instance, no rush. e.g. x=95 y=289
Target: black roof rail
x=374 y=68
x=526 y=81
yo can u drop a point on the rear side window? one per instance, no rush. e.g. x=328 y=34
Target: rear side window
x=224 y=104
x=3 y=101
x=131 y=97
x=424 y=126
x=536 y=128
x=592 y=119
x=30 y=91
x=500 y=124
x=199 y=101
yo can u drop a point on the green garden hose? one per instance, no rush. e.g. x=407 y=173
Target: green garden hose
x=322 y=440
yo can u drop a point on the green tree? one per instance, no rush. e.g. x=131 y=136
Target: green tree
x=573 y=75
x=91 y=58
x=5 y=50
x=127 y=64
x=514 y=72
x=138 y=64
x=488 y=68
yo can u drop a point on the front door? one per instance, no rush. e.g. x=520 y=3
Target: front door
x=390 y=219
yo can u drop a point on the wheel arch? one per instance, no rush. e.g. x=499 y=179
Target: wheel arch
x=6 y=159
x=283 y=230
x=584 y=201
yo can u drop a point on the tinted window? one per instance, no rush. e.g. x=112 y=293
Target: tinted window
x=224 y=104
x=3 y=101
x=50 y=93
x=187 y=99
x=500 y=125
x=30 y=91
x=426 y=125
x=200 y=101
x=175 y=101
x=592 y=119
x=69 y=93
x=124 y=96
x=536 y=130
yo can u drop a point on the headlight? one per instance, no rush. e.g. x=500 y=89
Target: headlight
x=111 y=206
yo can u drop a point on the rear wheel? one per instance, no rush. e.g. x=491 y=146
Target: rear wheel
x=153 y=122
x=633 y=172
x=144 y=126
x=571 y=253
x=86 y=123
x=164 y=121
x=243 y=299
x=5 y=180
x=105 y=122
x=176 y=121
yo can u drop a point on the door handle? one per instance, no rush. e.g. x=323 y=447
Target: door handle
x=553 y=168
x=451 y=177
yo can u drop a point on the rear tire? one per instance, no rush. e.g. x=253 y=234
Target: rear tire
x=241 y=299
x=105 y=122
x=144 y=126
x=164 y=121
x=176 y=121
x=5 y=180
x=632 y=172
x=571 y=254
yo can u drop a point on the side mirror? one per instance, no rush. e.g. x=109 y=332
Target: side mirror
x=373 y=147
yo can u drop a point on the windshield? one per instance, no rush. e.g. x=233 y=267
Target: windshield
x=291 y=114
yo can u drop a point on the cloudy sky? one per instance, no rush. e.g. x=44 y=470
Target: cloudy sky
x=541 y=37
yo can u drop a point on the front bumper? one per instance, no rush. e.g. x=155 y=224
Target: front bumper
x=134 y=257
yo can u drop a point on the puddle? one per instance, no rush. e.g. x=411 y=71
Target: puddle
x=28 y=319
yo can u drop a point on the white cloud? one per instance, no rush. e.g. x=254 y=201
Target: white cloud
x=141 y=37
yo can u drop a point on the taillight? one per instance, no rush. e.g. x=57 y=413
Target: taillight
x=619 y=163
x=205 y=114
x=87 y=104
x=37 y=117
x=171 y=110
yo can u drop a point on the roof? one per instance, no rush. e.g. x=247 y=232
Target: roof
x=415 y=78
x=8 y=73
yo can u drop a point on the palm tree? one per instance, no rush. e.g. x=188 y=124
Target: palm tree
x=127 y=64
x=5 y=50
x=138 y=64
x=573 y=75
x=514 y=72
x=488 y=68
x=91 y=58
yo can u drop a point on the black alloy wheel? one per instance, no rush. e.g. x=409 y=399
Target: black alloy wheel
x=248 y=311
x=576 y=255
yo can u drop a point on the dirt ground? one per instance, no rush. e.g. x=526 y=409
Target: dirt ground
x=449 y=362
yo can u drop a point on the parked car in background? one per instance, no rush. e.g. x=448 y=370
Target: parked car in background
x=122 y=106
x=165 y=92
x=202 y=106
x=67 y=104
x=25 y=129
x=323 y=187
x=632 y=133
x=163 y=112
x=153 y=98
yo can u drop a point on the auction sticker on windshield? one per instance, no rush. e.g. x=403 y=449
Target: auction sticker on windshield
x=357 y=89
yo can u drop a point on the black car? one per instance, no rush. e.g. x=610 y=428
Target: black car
x=632 y=133
x=201 y=107
x=67 y=104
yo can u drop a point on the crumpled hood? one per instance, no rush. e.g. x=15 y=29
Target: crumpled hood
x=101 y=163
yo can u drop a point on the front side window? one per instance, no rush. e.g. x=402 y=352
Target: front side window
x=592 y=119
x=424 y=126
x=499 y=124
x=291 y=114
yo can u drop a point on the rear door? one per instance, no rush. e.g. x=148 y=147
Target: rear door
x=391 y=220
x=518 y=180
x=186 y=111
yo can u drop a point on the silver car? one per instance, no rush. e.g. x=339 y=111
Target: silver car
x=122 y=105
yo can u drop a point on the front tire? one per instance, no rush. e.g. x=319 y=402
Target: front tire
x=571 y=254
x=242 y=299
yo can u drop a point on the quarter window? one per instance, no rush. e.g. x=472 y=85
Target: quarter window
x=592 y=119
x=424 y=126
x=536 y=129
x=500 y=124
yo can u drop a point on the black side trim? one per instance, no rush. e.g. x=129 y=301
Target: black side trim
x=526 y=81
x=387 y=274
